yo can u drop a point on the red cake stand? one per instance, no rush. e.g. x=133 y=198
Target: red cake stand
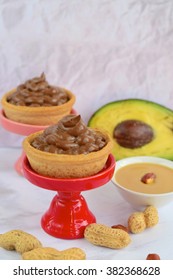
x=68 y=213
x=21 y=129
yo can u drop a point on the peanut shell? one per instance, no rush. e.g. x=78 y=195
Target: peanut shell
x=136 y=222
x=19 y=241
x=151 y=216
x=102 y=235
x=47 y=253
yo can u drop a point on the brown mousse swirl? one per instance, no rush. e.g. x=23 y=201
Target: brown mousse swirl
x=37 y=92
x=69 y=136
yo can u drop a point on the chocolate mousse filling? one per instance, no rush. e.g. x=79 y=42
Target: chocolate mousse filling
x=69 y=136
x=37 y=92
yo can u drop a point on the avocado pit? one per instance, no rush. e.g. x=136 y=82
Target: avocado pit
x=133 y=134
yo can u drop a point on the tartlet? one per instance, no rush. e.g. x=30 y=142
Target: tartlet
x=37 y=113
x=81 y=160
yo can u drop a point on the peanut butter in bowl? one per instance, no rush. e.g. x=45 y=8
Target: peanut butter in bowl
x=144 y=180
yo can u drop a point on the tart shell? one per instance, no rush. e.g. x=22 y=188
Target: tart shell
x=63 y=165
x=37 y=115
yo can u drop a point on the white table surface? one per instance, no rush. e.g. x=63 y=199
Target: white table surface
x=22 y=205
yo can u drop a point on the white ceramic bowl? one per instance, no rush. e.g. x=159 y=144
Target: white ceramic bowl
x=140 y=200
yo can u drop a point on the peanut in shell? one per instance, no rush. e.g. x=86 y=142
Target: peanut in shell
x=102 y=235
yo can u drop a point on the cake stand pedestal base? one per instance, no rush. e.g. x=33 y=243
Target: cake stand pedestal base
x=67 y=216
x=68 y=213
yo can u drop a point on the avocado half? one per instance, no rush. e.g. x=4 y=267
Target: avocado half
x=138 y=128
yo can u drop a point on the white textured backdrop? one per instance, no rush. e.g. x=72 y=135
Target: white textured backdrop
x=102 y=50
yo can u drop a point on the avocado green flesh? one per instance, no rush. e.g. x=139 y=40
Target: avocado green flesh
x=157 y=116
